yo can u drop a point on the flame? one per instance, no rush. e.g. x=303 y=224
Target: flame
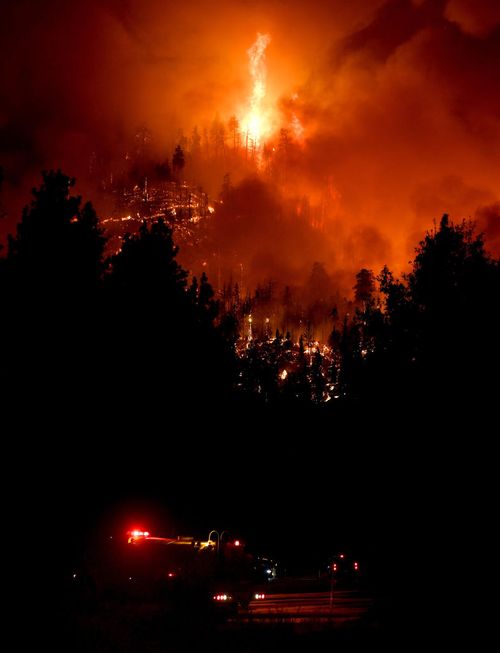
x=256 y=123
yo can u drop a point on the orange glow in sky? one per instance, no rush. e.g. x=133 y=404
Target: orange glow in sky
x=391 y=109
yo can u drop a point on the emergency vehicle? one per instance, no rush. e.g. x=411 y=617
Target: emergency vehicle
x=182 y=572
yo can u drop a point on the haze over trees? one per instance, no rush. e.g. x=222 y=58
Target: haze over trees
x=136 y=325
x=81 y=326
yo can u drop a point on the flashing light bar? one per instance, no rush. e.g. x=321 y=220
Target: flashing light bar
x=136 y=534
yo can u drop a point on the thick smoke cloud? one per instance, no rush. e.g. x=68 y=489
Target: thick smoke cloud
x=399 y=99
x=477 y=17
x=405 y=117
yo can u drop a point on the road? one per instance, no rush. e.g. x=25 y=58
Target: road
x=337 y=606
x=294 y=617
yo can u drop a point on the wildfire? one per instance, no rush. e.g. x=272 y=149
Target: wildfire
x=256 y=122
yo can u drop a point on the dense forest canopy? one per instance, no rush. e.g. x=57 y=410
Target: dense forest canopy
x=85 y=319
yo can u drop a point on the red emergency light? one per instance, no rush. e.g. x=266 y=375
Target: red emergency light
x=137 y=534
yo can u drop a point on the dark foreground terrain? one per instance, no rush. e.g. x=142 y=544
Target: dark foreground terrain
x=297 y=622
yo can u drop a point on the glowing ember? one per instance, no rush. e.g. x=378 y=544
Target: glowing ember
x=256 y=123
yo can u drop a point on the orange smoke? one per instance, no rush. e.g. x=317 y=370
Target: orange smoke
x=395 y=104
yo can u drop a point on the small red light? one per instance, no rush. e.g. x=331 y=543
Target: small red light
x=341 y=555
x=356 y=566
x=146 y=533
x=236 y=543
x=171 y=575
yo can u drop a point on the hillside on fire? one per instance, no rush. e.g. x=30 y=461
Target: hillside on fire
x=85 y=322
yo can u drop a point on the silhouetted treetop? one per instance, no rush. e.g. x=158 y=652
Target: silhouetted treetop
x=202 y=296
x=450 y=269
x=178 y=160
x=364 y=286
x=58 y=243
x=438 y=329
x=146 y=263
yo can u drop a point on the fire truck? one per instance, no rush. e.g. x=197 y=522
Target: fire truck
x=181 y=573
